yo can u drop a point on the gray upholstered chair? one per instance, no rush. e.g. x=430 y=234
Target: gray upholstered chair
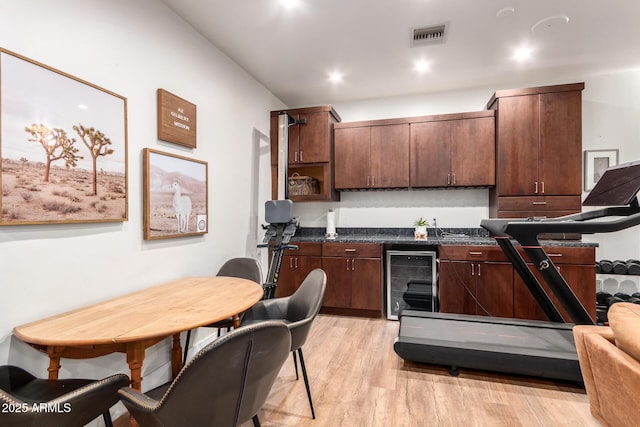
x=298 y=312
x=224 y=385
x=34 y=402
x=245 y=268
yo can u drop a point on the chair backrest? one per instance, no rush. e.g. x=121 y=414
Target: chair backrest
x=244 y=268
x=227 y=382
x=304 y=305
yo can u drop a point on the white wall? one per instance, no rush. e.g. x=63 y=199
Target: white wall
x=611 y=108
x=132 y=48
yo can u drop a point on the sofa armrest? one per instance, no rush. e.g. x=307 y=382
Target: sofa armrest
x=616 y=382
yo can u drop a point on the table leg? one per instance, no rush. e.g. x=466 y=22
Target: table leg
x=54 y=352
x=176 y=356
x=135 y=357
x=236 y=321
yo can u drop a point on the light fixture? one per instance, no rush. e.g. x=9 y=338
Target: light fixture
x=421 y=66
x=82 y=106
x=290 y=4
x=335 y=77
x=522 y=53
x=505 y=11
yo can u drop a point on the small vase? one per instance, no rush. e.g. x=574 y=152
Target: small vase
x=420 y=232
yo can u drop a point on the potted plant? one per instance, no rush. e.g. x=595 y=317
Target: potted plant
x=420 y=225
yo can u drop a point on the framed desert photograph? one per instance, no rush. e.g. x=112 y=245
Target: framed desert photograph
x=63 y=143
x=175 y=195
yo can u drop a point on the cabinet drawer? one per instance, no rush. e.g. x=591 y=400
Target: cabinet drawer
x=569 y=255
x=472 y=253
x=539 y=203
x=306 y=248
x=352 y=250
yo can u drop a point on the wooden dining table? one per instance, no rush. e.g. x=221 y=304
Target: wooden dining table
x=132 y=323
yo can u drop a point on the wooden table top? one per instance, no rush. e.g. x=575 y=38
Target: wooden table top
x=158 y=311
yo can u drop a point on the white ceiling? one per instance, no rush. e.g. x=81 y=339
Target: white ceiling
x=293 y=51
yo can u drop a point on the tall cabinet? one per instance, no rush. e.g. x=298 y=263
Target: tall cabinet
x=539 y=151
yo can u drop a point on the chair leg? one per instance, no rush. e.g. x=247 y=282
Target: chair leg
x=106 y=416
x=186 y=347
x=295 y=364
x=306 y=382
x=256 y=421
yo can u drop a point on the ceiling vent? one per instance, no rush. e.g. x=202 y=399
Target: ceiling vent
x=428 y=35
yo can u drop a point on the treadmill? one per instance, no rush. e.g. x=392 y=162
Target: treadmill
x=543 y=349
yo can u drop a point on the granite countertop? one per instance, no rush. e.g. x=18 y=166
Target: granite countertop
x=404 y=236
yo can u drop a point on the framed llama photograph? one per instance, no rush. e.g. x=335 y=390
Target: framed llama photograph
x=63 y=144
x=175 y=195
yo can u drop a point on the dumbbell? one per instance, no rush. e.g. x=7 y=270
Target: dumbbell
x=606 y=266
x=612 y=300
x=602 y=297
x=633 y=267
x=619 y=267
x=634 y=300
x=622 y=296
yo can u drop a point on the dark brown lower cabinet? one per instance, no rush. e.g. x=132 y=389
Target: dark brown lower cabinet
x=296 y=264
x=354 y=277
x=479 y=280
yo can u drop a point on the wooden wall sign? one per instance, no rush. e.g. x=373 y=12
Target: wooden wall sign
x=176 y=119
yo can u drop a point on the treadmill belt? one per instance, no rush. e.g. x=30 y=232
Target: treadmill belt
x=514 y=346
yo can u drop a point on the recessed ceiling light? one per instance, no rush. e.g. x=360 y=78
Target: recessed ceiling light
x=82 y=106
x=335 y=77
x=522 y=53
x=290 y=4
x=422 y=66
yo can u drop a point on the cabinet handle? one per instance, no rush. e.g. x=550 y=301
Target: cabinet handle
x=373 y=180
x=479 y=271
x=448 y=179
x=475 y=253
x=290 y=262
x=296 y=262
x=349 y=250
x=542 y=187
x=301 y=156
x=295 y=156
x=473 y=269
x=454 y=179
x=556 y=255
x=538 y=203
x=536 y=191
x=348 y=264
x=353 y=264
x=368 y=181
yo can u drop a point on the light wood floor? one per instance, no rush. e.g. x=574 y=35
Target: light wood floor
x=357 y=380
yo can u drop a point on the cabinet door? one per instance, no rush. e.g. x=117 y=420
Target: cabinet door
x=456 y=287
x=390 y=156
x=366 y=283
x=518 y=139
x=352 y=153
x=430 y=154
x=288 y=279
x=580 y=278
x=338 y=272
x=561 y=143
x=314 y=138
x=473 y=152
x=494 y=289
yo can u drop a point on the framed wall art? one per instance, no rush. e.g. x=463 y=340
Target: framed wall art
x=595 y=163
x=175 y=195
x=63 y=144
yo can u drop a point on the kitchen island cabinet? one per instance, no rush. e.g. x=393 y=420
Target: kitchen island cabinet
x=354 y=278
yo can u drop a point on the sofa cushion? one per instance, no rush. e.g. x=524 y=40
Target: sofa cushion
x=624 y=319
